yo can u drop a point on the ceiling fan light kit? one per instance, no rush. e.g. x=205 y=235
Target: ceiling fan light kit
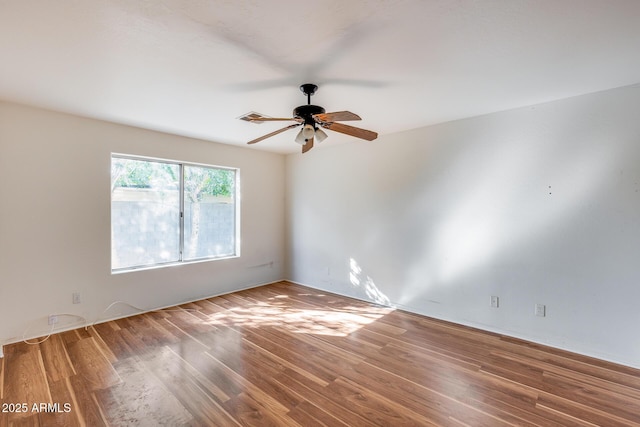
x=311 y=118
x=308 y=131
x=300 y=138
x=320 y=135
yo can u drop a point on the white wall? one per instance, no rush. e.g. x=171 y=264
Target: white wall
x=534 y=205
x=55 y=224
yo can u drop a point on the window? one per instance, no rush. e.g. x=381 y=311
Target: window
x=165 y=212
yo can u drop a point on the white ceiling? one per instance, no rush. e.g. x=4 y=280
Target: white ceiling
x=191 y=67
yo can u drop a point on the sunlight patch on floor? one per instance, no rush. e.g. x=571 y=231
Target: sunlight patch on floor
x=334 y=321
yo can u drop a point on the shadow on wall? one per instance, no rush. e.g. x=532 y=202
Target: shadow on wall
x=511 y=196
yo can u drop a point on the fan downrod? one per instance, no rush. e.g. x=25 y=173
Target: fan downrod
x=308 y=89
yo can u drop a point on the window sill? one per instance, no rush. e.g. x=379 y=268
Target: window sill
x=170 y=264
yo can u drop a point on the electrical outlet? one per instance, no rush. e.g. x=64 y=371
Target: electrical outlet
x=53 y=319
x=76 y=298
x=540 y=310
x=495 y=301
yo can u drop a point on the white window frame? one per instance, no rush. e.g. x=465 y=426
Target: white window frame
x=181 y=260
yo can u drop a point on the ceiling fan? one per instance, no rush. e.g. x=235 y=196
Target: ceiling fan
x=312 y=118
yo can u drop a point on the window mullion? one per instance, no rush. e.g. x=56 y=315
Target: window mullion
x=181 y=212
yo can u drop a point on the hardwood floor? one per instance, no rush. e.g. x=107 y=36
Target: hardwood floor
x=286 y=355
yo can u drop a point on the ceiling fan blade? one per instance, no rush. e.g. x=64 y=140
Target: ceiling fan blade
x=258 y=118
x=253 y=141
x=273 y=119
x=351 y=130
x=307 y=146
x=338 y=116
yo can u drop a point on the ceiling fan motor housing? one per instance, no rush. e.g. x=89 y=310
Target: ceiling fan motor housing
x=306 y=113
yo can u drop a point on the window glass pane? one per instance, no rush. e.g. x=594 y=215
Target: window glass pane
x=145 y=213
x=209 y=212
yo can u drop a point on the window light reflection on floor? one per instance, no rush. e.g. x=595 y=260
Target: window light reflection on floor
x=327 y=320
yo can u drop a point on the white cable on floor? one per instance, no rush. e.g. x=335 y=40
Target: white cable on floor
x=53 y=325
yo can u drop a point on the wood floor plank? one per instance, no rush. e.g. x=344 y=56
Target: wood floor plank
x=287 y=355
x=111 y=334
x=26 y=381
x=588 y=395
x=27 y=421
x=275 y=355
x=252 y=412
x=322 y=360
x=142 y=400
x=255 y=373
x=102 y=345
x=581 y=365
x=89 y=362
x=177 y=377
x=377 y=409
x=307 y=414
x=85 y=404
x=573 y=409
x=64 y=411
x=149 y=332
x=317 y=395
x=211 y=376
x=350 y=343
x=56 y=359
x=190 y=323
x=562 y=371
x=403 y=392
